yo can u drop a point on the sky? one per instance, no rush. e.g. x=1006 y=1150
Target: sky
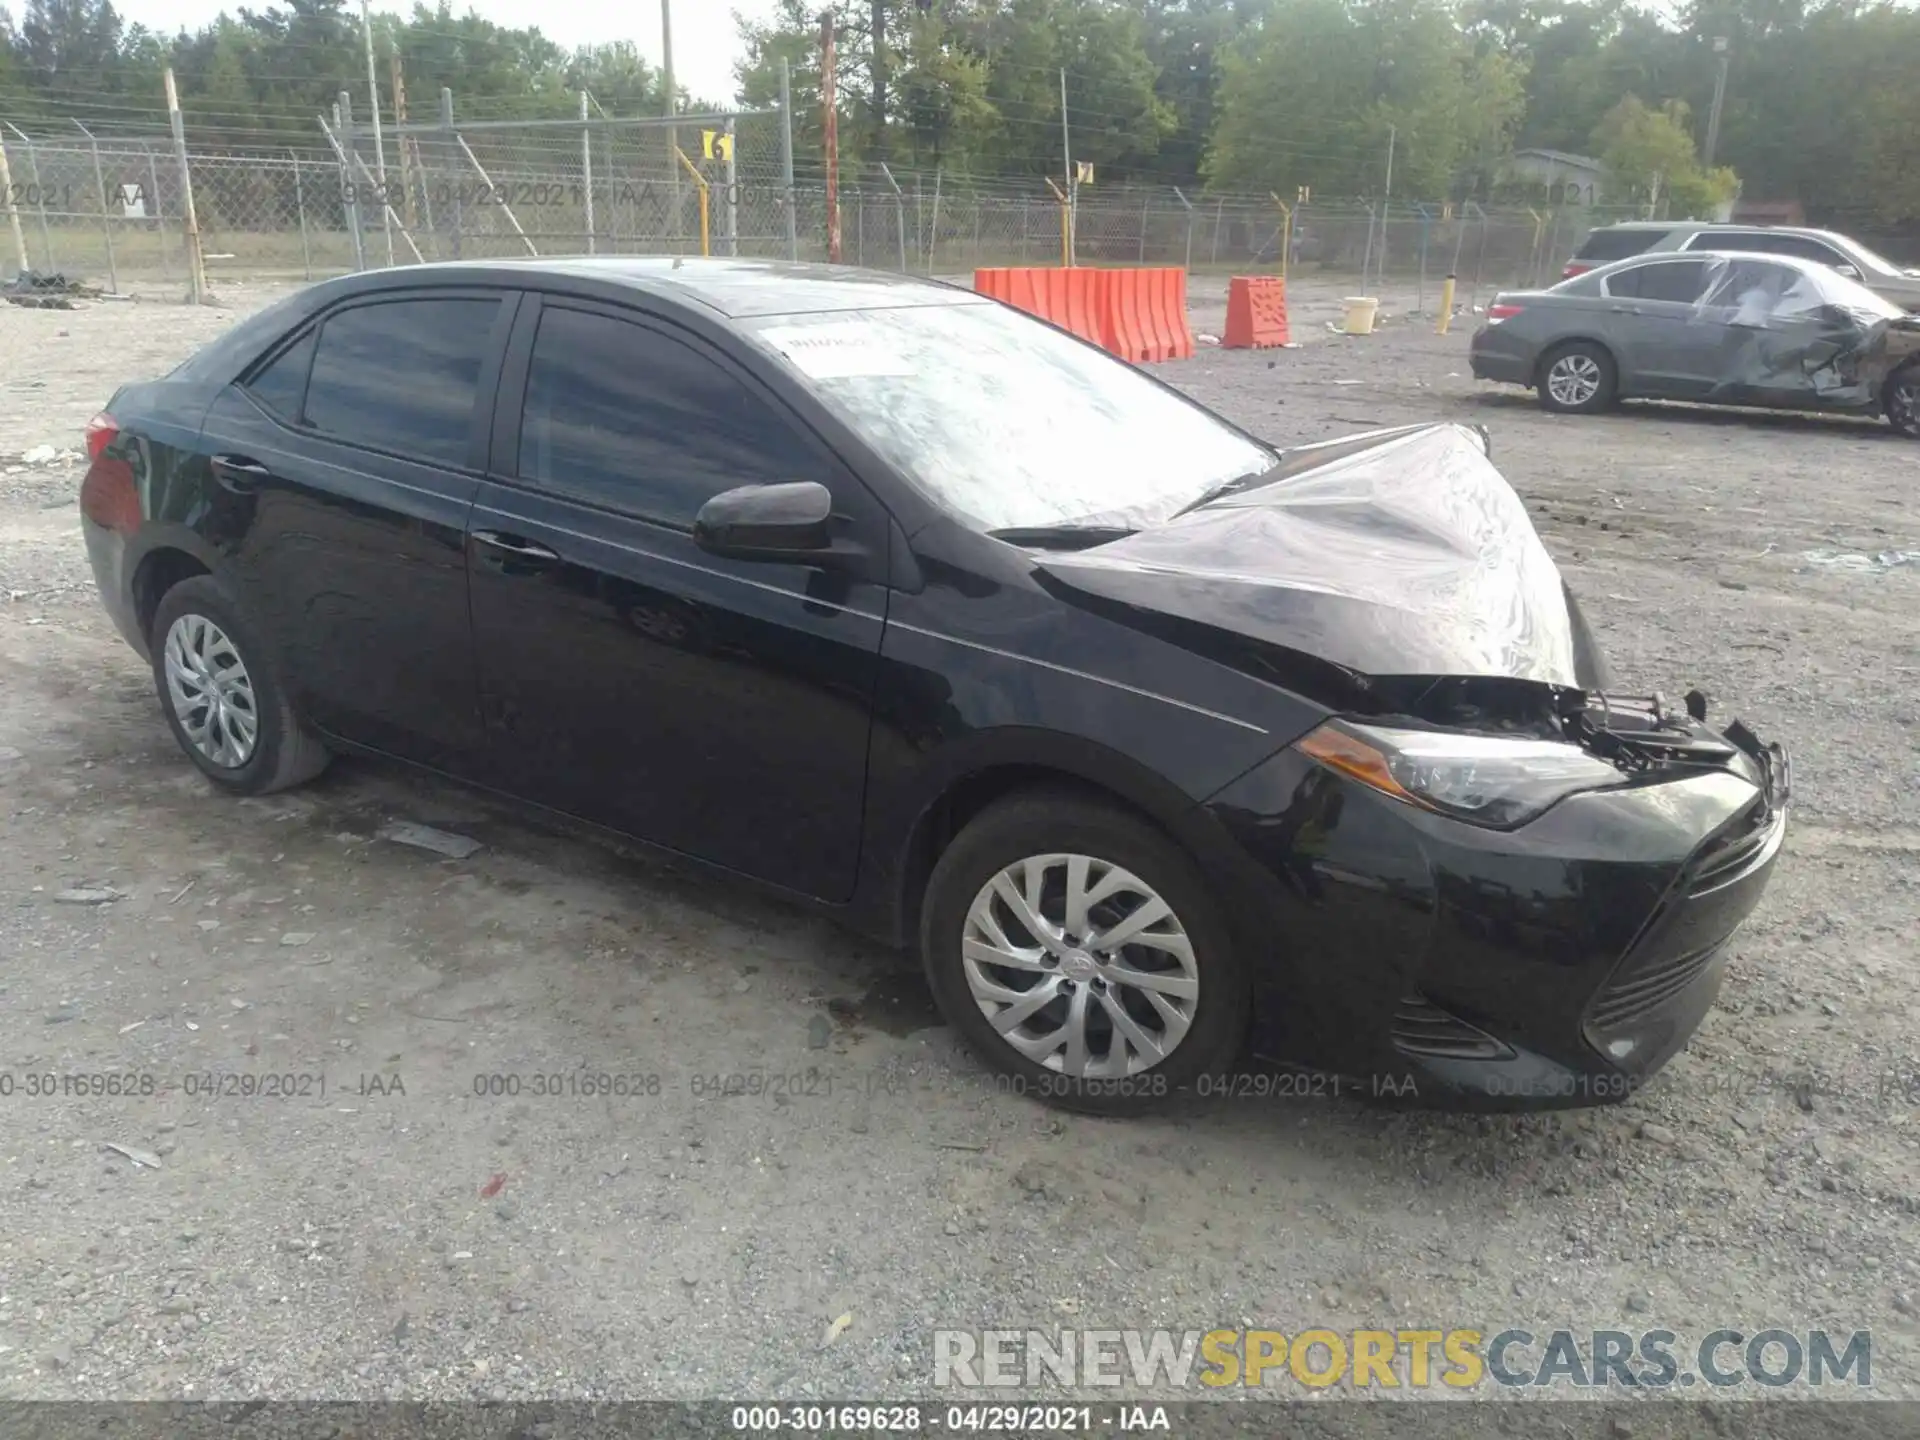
x=706 y=41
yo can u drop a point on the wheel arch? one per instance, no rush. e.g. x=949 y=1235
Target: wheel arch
x=162 y=567
x=1554 y=347
x=1040 y=761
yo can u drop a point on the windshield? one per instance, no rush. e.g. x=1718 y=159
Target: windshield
x=1817 y=287
x=1010 y=423
x=1874 y=260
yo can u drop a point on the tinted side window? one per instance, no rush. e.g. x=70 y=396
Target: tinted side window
x=1625 y=282
x=1678 y=280
x=627 y=416
x=282 y=385
x=1808 y=249
x=1766 y=242
x=401 y=375
x=1602 y=246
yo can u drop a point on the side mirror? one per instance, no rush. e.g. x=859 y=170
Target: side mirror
x=767 y=522
x=1848 y=270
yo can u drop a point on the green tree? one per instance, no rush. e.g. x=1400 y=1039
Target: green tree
x=1325 y=85
x=940 y=100
x=1185 y=40
x=70 y=42
x=1649 y=156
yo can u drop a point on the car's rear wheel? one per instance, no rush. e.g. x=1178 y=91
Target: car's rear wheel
x=1082 y=955
x=1902 y=399
x=223 y=702
x=1578 y=378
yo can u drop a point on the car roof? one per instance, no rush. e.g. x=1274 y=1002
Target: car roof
x=737 y=289
x=1707 y=226
x=1676 y=257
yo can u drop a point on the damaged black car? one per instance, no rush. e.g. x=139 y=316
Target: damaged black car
x=1163 y=750
x=1762 y=331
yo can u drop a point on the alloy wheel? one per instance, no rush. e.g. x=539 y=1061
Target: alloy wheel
x=1080 y=966
x=1574 y=380
x=211 y=691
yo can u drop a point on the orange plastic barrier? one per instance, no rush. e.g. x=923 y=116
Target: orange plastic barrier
x=1065 y=297
x=1143 y=314
x=1256 y=312
x=1139 y=315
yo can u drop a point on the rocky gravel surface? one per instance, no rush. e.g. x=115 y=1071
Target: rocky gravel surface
x=306 y=1138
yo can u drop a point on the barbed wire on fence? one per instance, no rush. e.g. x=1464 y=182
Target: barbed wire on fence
x=111 y=206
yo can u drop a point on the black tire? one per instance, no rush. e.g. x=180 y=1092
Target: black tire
x=1049 y=822
x=1605 y=393
x=283 y=753
x=1901 y=399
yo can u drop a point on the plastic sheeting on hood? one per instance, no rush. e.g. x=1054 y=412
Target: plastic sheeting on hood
x=1410 y=557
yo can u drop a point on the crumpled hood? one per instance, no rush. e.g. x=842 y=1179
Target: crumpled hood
x=1410 y=556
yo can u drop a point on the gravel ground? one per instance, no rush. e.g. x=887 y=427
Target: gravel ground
x=406 y=1234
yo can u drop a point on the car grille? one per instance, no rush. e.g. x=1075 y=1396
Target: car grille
x=1645 y=987
x=1422 y=1028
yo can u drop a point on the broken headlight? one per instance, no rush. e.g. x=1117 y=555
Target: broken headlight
x=1492 y=780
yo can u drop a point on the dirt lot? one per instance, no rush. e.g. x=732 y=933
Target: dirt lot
x=681 y=1245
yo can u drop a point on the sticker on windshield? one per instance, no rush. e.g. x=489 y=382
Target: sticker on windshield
x=838 y=352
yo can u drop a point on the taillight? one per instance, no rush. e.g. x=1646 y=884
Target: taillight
x=100 y=432
x=1503 y=310
x=108 y=495
x=1574 y=267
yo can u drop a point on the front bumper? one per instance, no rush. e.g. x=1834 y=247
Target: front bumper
x=1424 y=960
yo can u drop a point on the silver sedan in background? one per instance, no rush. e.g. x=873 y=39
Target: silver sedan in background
x=1770 y=331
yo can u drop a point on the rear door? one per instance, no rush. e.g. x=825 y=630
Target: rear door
x=346 y=464
x=1666 y=346
x=716 y=706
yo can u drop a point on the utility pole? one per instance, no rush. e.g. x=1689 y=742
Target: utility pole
x=878 y=10
x=1386 y=204
x=379 y=144
x=830 y=136
x=673 y=131
x=398 y=80
x=1720 y=48
x=1066 y=158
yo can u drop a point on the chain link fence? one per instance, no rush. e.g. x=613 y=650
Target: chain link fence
x=110 y=209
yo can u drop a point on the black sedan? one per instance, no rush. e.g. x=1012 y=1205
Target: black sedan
x=1770 y=331
x=1158 y=745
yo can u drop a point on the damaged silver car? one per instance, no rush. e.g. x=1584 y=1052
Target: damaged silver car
x=1768 y=331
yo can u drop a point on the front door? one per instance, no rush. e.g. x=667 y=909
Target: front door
x=716 y=706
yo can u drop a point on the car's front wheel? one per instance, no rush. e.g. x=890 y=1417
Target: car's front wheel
x=1082 y=955
x=1902 y=400
x=222 y=700
x=1578 y=378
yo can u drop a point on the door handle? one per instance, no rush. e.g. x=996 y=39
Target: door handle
x=513 y=545
x=238 y=473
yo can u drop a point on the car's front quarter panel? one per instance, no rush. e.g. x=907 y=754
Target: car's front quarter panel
x=984 y=671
